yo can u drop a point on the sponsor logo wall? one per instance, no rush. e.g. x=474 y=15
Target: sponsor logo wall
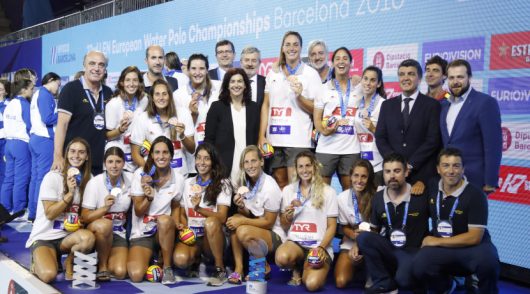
x=382 y=33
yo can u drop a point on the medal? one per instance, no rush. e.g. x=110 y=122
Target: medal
x=243 y=190
x=116 y=192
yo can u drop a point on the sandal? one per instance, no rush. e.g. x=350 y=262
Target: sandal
x=103 y=276
x=235 y=278
x=294 y=281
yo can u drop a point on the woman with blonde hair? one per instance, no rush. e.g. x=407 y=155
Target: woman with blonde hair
x=309 y=214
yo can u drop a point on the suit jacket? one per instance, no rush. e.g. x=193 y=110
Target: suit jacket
x=260 y=93
x=214 y=75
x=419 y=141
x=220 y=130
x=477 y=133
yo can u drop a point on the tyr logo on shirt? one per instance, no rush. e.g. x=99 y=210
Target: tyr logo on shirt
x=115 y=215
x=304 y=227
x=281 y=111
x=193 y=213
x=366 y=138
x=177 y=145
x=74 y=208
x=350 y=111
x=201 y=127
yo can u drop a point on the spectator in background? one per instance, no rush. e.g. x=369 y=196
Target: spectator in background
x=225 y=54
x=155 y=60
x=317 y=51
x=435 y=76
x=174 y=69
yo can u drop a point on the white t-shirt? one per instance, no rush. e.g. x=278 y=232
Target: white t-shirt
x=114 y=111
x=347 y=215
x=344 y=140
x=289 y=125
x=148 y=128
x=268 y=198
x=195 y=219
x=310 y=225
x=368 y=148
x=239 y=122
x=51 y=189
x=145 y=226
x=182 y=79
x=98 y=188
x=182 y=98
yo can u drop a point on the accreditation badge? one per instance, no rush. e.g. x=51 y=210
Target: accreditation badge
x=99 y=121
x=445 y=228
x=398 y=238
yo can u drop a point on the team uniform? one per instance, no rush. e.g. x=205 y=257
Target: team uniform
x=310 y=224
x=149 y=128
x=388 y=255
x=100 y=187
x=195 y=219
x=452 y=215
x=340 y=149
x=17 y=125
x=349 y=215
x=145 y=227
x=181 y=77
x=366 y=139
x=3 y=105
x=114 y=112
x=43 y=113
x=266 y=196
x=44 y=229
x=182 y=99
x=288 y=125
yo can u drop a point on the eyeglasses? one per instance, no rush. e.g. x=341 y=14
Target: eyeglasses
x=225 y=52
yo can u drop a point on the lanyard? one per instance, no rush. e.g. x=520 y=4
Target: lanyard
x=404 y=216
x=160 y=122
x=358 y=217
x=291 y=70
x=131 y=107
x=371 y=106
x=201 y=183
x=343 y=105
x=299 y=195
x=192 y=90
x=455 y=204
x=93 y=102
x=254 y=191
x=109 y=185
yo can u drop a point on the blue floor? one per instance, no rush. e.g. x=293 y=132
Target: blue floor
x=17 y=233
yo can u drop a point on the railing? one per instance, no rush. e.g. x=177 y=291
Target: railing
x=102 y=11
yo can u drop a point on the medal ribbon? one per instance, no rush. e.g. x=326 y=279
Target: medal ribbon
x=131 y=107
x=201 y=183
x=254 y=191
x=291 y=70
x=93 y=102
x=358 y=217
x=343 y=105
x=108 y=183
x=371 y=106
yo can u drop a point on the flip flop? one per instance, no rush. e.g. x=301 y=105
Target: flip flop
x=235 y=278
x=103 y=276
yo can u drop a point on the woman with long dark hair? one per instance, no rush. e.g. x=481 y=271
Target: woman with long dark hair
x=129 y=102
x=156 y=193
x=231 y=123
x=355 y=205
x=57 y=228
x=104 y=210
x=205 y=203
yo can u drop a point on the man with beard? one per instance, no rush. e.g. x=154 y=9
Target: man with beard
x=471 y=122
x=155 y=60
x=250 y=61
x=225 y=54
x=399 y=222
x=317 y=51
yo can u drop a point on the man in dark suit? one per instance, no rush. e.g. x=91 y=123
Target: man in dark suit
x=409 y=125
x=155 y=60
x=250 y=61
x=225 y=54
x=471 y=122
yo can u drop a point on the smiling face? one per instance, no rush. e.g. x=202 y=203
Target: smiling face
x=131 y=83
x=95 y=67
x=155 y=60
x=250 y=63
x=225 y=56
x=359 y=179
x=451 y=170
x=342 y=63
x=161 y=155
x=76 y=154
x=236 y=86
x=114 y=165
x=291 y=48
x=161 y=96
x=197 y=71
x=408 y=79
x=458 y=80
x=318 y=57
x=370 y=83
x=305 y=169
x=203 y=163
x=252 y=165
x=434 y=75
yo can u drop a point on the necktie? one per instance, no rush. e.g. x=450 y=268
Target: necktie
x=406 y=111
